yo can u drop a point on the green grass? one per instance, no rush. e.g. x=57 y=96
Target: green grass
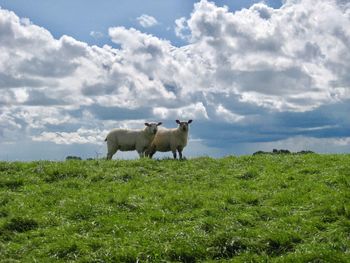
x=265 y=208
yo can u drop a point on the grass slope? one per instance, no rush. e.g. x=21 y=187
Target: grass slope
x=276 y=208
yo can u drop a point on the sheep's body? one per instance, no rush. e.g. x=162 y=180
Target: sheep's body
x=130 y=140
x=170 y=140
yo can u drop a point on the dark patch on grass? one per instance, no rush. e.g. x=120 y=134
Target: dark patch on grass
x=184 y=249
x=126 y=177
x=39 y=169
x=330 y=214
x=226 y=246
x=127 y=258
x=280 y=244
x=310 y=171
x=182 y=256
x=245 y=220
x=56 y=174
x=82 y=213
x=265 y=217
x=73 y=185
x=331 y=184
x=11 y=184
x=266 y=214
x=19 y=224
x=97 y=178
x=283 y=185
x=180 y=204
x=94 y=245
x=68 y=252
x=320 y=226
x=123 y=204
x=253 y=201
x=3 y=213
x=123 y=177
x=249 y=175
x=4 y=201
x=250 y=199
x=232 y=201
x=344 y=210
x=5 y=235
x=208 y=226
x=8 y=167
x=158 y=216
x=329 y=218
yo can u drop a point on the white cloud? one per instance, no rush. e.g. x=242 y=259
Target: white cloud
x=194 y=111
x=147 y=21
x=317 y=128
x=345 y=141
x=227 y=115
x=181 y=27
x=81 y=136
x=267 y=55
x=39 y=118
x=96 y=34
x=282 y=59
x=130 y=124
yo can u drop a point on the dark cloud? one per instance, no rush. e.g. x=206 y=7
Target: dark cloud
x=40 y=98
x=99 y=89
x=116 y=113
x=328 y=121
x=264 y=11
x=49 y=66
x=9 y=81
x=311 y=51
x=272 y=82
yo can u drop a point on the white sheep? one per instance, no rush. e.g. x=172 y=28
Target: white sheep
x=170 y=140
x=130 y=140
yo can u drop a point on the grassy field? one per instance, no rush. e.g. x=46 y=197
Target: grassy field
x=265 y=208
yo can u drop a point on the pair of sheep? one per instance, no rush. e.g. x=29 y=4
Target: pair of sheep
x=149 y=140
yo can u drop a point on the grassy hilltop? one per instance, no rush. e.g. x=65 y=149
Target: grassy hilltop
x=275 y=208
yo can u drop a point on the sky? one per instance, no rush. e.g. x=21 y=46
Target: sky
x=252 y=75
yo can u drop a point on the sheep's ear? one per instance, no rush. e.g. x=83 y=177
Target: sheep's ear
x=189 y=121
x=159 y=123
x=147 y=124
x=177 y=121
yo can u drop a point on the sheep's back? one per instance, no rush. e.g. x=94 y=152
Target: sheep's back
x=123 y=136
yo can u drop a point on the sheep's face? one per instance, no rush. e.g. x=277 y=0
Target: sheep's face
x=183 y=125
x=152 y=128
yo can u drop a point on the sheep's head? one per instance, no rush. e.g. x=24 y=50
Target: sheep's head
x=152 y=128
x=183 y=125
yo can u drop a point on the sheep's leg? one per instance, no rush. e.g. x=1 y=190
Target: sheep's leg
x=179 y=149
x=150 y=155
x=180 y=155
x=147 y=153
x=111 y=149
x=141 y=154
x=174 y=154
x=110 y=155
x=151 y=151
